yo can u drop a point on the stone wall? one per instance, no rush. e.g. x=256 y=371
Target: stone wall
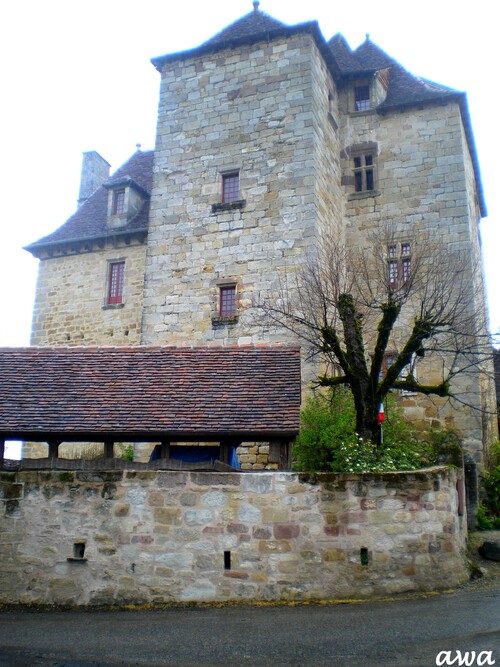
x=253 y=110
x=425 y=188
x=70 y=302
x=89 y=538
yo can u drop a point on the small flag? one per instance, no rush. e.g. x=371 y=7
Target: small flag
x=381 y=415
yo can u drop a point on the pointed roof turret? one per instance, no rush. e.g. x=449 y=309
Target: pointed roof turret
x=344 y=57
x=253 y=27
x=255 y=22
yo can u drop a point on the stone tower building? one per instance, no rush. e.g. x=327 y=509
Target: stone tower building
x=267 y=135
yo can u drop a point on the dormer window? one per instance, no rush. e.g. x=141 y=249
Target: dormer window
x=118 y=202
x=125 y=200
x=362 y=98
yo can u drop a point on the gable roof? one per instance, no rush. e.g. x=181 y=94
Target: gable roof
x=89 y=220
x=149 y=393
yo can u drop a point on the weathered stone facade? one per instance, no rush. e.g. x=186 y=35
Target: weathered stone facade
x=256 y=112
x=286 y=112
x=70 y=302
x=90 y=538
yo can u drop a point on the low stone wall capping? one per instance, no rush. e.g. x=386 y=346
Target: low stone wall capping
x=138 y=537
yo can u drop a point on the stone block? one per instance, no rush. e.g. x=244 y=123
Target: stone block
x=170 y=516
x=286 y=531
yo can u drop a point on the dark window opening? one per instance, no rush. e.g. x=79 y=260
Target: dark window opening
x=392 y=270
x=398 y=265
x=364 y=174
x=230 y=187
x=118 y=202
x=227 y=560
x=115 y=283
x=362 y=98
x=363 y=554
x=78 y=549
x=227 y=301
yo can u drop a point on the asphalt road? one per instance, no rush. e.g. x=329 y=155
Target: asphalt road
x=369 y=634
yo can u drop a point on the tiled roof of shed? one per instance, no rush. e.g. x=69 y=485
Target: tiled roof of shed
x=176 y=393
x=89 y=221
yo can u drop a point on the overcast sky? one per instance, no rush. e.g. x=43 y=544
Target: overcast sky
x=77 y=77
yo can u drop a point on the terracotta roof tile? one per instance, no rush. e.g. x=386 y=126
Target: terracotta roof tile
x=172 y=392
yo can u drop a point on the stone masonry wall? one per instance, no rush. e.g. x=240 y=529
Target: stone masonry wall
x=252 y=109
x=89 y=538
x=70 y=302
x=425 y=188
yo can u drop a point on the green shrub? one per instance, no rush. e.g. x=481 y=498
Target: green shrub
x=328 y=442
x=125 y=452
x=489 y=509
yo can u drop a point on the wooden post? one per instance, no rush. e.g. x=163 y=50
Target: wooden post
x=2 y=451
x=108 y=449
x=165 y=450
x=224 y=452
x=286 y=456
x=281 y=453
x=54 y=449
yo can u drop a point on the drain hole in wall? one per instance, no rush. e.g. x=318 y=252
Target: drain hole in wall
x=78 y=549
x=363 y=554
x=227 y=560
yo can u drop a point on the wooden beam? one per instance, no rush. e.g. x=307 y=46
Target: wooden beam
x=2 y=450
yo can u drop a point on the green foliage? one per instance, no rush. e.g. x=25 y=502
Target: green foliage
x=489 y=510
x=327 y=441
x=446 y=446
x=125 y=452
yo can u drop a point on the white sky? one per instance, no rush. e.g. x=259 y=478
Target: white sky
x=76 y=76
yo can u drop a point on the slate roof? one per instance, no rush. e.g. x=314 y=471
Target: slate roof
x=253 y=23
x=404 y=90
x=89 y=221
x=215 y=393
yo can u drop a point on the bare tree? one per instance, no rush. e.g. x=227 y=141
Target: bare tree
x=351 y=305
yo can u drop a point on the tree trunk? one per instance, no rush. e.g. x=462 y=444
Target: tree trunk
x=367 y=426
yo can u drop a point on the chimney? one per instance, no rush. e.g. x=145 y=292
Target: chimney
x=95 y=172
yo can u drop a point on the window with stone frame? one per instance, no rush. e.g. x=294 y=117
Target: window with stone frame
x=227 y=301
x=118 y=206
x=362 y=98
x=116 y=275
x=398 y=265
x=230 y=187
x=364 y=172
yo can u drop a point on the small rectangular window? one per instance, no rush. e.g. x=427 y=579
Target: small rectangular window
x=118 y=202
x=361 y=98
x=227 y=301
x=230 y=187
x=392 y=271
x=115 y=282
x=398 y=265
x=405 y=269
x=364 y=175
